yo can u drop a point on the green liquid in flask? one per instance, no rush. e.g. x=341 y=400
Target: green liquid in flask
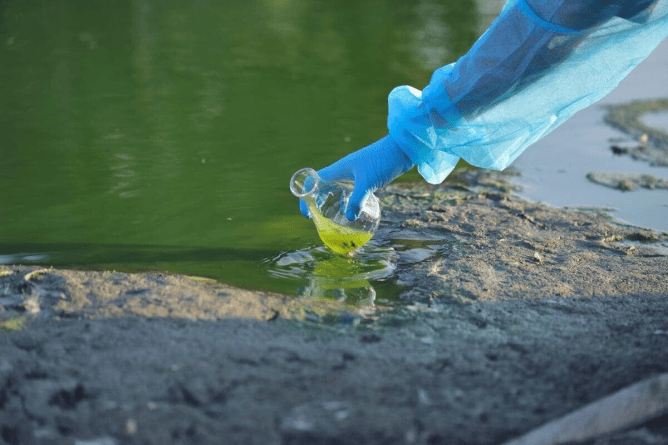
x=337 y=237
x=325 y=201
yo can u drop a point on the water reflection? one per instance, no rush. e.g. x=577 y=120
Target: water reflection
x=21 y=258
x=337 y=279
x=326 y=275
x=428 y=50
x=444 y=30
x=487 y=10
x=658 y=120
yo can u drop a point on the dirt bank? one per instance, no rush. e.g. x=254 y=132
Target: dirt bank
x=515 y=314
x=652 y=145
x=627 y=181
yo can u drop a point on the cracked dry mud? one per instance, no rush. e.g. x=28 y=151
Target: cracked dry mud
x=515 y=314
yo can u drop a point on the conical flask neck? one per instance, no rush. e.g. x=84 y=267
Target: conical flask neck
x=304 y=183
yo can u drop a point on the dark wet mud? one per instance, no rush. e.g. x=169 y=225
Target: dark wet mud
x=489 y=246
x=513 y=314
x=651 y=143
x=627 y=181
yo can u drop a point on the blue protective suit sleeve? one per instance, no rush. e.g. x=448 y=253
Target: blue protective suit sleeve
x=539 y=63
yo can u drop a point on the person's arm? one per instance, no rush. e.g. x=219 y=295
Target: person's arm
x=538 y=63
x=500 y=97
x=521 y=43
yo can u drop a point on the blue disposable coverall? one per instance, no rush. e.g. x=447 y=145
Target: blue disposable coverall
x=538 y=63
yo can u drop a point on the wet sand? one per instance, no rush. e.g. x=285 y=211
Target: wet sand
x=514 y=314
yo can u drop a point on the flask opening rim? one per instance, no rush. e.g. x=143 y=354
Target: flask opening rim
x=298 y=185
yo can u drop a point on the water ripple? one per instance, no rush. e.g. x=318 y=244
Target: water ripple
x=325 y=274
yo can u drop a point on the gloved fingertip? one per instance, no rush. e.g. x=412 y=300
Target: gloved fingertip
x=353 y=211
x=357 y=198
x=303 y=208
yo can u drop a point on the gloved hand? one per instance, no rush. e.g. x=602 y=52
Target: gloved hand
x=371 y=168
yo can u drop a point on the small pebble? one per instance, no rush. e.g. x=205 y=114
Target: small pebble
x=423 y=397
x=427 y=341
x=538 y=258
x=131 y=427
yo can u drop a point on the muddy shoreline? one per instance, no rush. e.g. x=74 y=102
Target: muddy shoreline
x=652 y=146
x=514 y=314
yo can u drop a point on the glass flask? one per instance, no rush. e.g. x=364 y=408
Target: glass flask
x=327 y=203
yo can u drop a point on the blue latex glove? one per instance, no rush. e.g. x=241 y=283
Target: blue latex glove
x=371 y=168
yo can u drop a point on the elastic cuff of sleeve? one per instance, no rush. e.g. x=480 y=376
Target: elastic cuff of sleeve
x=436 y=99
x=410 y=128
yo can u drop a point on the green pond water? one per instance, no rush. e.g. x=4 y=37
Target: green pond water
x=141 y=135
